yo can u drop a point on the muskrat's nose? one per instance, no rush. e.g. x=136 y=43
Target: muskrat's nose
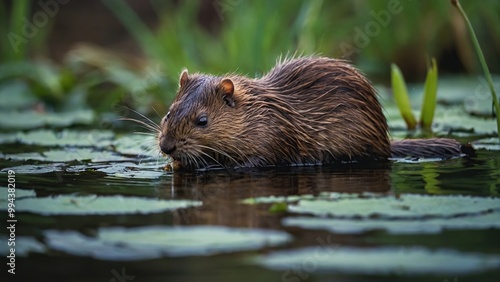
x=167 y=145
x=167 y=148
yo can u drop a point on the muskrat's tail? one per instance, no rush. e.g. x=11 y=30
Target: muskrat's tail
x=442 y=148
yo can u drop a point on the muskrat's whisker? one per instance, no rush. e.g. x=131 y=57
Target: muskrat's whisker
x=212 y=158
x=194 y=160
x=219 y=152
x=146 y=133
x=199 y=158
x=155 y=111
x=151 y=122
x=144 y=124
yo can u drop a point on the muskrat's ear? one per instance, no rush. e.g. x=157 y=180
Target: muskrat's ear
x=227 y=88
x=184 y=78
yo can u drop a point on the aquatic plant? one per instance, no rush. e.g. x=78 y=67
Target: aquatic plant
x=400 y=93
x=484 y=66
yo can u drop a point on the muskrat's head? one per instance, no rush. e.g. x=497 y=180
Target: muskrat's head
x=198 y=129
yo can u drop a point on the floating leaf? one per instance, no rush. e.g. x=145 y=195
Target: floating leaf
x=20 y=193
x=36 y=169
x=397 y=226
x=24 y=246
x=278 y=208
x=405 y=206
x=141 y=145
x=23 y=98
x=275 y=199
x=294 y=198
x=379 y=260
x=43 y=137
x=26 y=120
x=99 y=205
x=152 y=242
x=68 y=155
x=491 y=144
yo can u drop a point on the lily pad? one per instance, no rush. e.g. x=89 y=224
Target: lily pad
x=22 y=99
x=27 y=120
x=405 y=206
x=43 y=137
x=68 y=155
x=294 y=198
x=143 y=170
x=140 y=145
x=98 y=205
x=416 y=160
x=129 y=170
x=396 y=226
x=116 y=243
x=491 y=144
x=36 y=169
x=24 y=246
x=20 y=193
x=275 y=199
x=378 y=260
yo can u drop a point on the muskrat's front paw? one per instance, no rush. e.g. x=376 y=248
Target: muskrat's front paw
x=173 y=166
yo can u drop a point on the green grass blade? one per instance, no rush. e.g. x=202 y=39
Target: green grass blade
x=138 y=29
x=20 y=10
x=430 y=93
x=486 y=71
x=400 y=93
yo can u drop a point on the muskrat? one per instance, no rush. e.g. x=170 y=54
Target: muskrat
x=305 y=111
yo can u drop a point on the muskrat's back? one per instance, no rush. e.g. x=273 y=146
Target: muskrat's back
x=310 y=110
x=326 y=111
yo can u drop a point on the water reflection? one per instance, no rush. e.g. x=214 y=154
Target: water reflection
x=221 y=192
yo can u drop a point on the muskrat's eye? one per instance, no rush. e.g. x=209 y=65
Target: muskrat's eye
x=202 y=121
x=167 y=116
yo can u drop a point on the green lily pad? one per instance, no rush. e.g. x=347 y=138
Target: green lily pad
x=143 y=170
x=20 y=193
x=491 y=144
x=417 y=160
x=378 y=260
x=275 y=199
x=140 y=145
x=36 y=169
x=27 y=120
x=116 y=243
x=24 y=246
x=22 y=99
x=397 y=226
x=405 y=206
x=98 y=205
x=130 y=170
x=43 y=137
x=294 y=198
x=68 y=155
x=446 y=118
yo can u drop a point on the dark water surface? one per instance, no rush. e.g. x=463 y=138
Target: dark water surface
x=221 y=194
x=96 y=205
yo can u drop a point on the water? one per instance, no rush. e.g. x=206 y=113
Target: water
x=88 y=208
x=221 y=194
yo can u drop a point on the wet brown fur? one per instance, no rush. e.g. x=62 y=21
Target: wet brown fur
x=309 y=110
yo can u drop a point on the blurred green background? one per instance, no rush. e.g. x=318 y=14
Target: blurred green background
x=66 y=55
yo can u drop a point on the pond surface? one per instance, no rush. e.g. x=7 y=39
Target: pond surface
x=96 y=205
